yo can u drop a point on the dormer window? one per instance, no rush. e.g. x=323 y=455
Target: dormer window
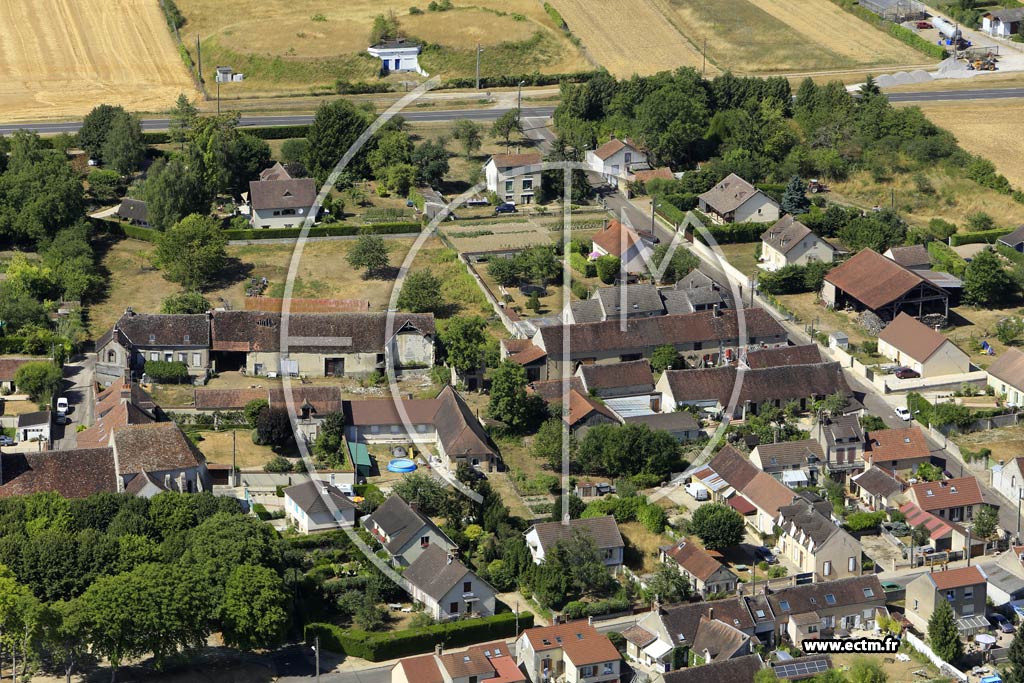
x=152 y=339
x=187 y=339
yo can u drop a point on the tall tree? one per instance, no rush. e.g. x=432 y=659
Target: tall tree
x=92 y=136
x=943 y=637
x=794 y=198
x=421 y=293
x=172 y=191
x=509 y=401
x=665 y=358
x=679 y=266
x=468 y=135
x=431 y=161
x=463 y=339
x=985 y=522
x=423 y=489
x=185 y=302
x=864 y=670
x=182 y=116
x=505 y=125
x=124 y=148
x=254 y=612
x=717 y=526
x=192 y=253
x=334 y=130
x=369 y=253
x=547 y=444
x=986 y=281
x=39 y=379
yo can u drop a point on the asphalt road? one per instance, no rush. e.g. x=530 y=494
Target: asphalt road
x=153 y=125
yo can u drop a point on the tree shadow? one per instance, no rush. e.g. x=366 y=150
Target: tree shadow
x=234 y=271
x=383 y=274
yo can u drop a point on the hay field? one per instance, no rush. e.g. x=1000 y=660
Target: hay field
x=785 y=35
x=628 y=36
x=986 y=129
x=60 y=58
x=283 y=46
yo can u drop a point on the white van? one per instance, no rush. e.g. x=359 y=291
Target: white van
x=62 y=406
x=698 y=491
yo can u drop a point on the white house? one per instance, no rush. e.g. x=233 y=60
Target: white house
x=616 y=160
x=734 y=200
x=34 y=426
x=512 y=186
x=573 y=652
x=281 y=203
x=541 y=538
x=914 y=345
x=306 y=507
x=397 y=55
x=447 y=589
x=1006 y=376
x=791 y=243
x=404 y=531
x=623 y=242
x=1008 y=478
x=1003 y=23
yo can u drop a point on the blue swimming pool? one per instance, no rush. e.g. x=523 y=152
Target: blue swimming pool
x=401 y=465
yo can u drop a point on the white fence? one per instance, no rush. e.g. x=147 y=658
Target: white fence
x=944 y=668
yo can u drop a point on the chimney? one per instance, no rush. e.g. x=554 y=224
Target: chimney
x=590 y=620
x=450 y=558
x=438 y=649
x=718 y=311
x=128 y=311
x=414 y=506
x=324 y=488
x=711 y=612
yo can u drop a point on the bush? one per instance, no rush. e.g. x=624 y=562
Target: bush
x=582 y=265
x=986 y=237
x=862 y=521
x=167 y=371
x=608 y=268
x=278 y=465
x=376 y=647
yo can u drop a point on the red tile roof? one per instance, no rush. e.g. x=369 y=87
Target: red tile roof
x=887 y=445
x=693 y=559
x=616 y=238
x=75 y=473
x=957 y=578
x=940 y=495
x=579 y=641
x=422 y=669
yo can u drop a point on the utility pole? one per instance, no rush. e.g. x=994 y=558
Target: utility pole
x=478 y=51
x=1020 y=497
x=519 y=105
x=199 y=62
x=316 y=650
x=234 y=470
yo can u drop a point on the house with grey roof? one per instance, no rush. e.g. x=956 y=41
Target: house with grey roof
x=794 y=463
x=447 y=588
x=843 y=442
x=914 y=257
x=316 y=505
x=816 y=544
x=122 y=352
x=723 y=671
x=791 y=243
x=680 y=424
x=283 y=202
x=134 y=211
x=404 y=531
x=734 y=200
x=631 y=378
x=543 y=537
x=34 y=426
x=1003 y=23
x=877 y=489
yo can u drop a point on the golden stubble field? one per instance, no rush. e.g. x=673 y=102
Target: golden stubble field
x=60 y=58
x=986 y=129
x=743 y=36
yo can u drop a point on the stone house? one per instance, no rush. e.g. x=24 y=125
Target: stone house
x=507 y=176
x=404 y=531
x=964 y=589
x=122 y=352
x=791 y=243
x=734 y=200
x=447 y=588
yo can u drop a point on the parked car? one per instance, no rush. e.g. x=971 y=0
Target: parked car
x=903 y=414
x=62 y=406
x=1001 y=623
x=907 y=373
x=507 y=207
x=6 y=440
x=765 y=554
x=698 y=491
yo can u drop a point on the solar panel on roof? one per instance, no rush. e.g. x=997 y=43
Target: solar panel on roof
x=800 y=668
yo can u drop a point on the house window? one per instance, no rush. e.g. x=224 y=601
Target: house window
x=587 y=671
x=830 y=598
x=425 y=542
x=969 y=593
x=375 y=429
x=111 y=356
x=453 y=608
x=609 y=553
x=827 y=570
x=183 y=357
x=394 y=429
x=154 y=355
x=609 y=668
x=869 y=593
x=197 y=360
x=422 y=429
x=915 y=605
x=951 y=595
x=784 y=604
x=473 y=679
x=168 y=356
x=853 y=564
x=527 y=184
x=510 y=186
x=813 y=628
x=967 y=609
x=467 y=586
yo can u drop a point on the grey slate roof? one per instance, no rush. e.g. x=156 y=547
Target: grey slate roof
x=290 y=193
x=435 y=572
x=695 y=278
x=1010 y=15
x=729 y=194
x=726 y=671
x=877 y=482
x=785 y=234
x=842 y=428
x=309 y=497
x=587 y=311
x=133 y=210
x=810 y=597
x=604 y=379
x=355 y=332
x=806 y=354
x=603 y=530
x=720 y=639
x=788 y=453
x=678 y=421
x=1017 y=236
x=458 y=428
x=678 y=301
x=40 y=417
x=913 y=256
x=157 y=329
x=805 y=518
x=400 y=522
x=639 y=299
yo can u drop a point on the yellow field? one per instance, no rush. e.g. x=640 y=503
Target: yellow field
x=283 y=45
x=60 y=58
x=743 y=36
x=628 y=36
x=983 y=128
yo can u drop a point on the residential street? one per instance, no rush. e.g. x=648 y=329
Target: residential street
x=78 y=376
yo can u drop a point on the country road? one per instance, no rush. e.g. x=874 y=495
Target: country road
x=154 y=125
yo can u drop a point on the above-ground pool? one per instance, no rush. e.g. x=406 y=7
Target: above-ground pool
x=401 y=465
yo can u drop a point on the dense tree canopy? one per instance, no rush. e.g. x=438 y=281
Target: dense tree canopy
x=192 y=252
x=717 y=525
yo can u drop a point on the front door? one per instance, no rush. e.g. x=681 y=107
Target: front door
x=397 y=62
x=334 y=367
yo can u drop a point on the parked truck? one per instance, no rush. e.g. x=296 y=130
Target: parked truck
x=946 y=29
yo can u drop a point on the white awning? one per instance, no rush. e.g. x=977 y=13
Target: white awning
x=794 y=477
x=658 y=649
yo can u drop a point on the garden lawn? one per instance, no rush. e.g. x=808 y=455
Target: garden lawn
x=1005 y=443
x=742 y=256
x=216 y=446
x=645 y=542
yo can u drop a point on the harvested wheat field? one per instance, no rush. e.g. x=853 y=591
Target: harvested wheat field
x=985 y=129
x=769 y=36
x=315 y=42
x=628 y=36
x=60 y=58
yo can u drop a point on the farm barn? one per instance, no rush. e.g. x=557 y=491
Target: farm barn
x=896 y=11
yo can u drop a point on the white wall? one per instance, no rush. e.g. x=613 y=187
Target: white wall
x=758 y=209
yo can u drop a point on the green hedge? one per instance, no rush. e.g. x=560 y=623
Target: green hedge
x=582 y=265
x=511 y=81
x=733 y=233
x=376 y=647
x=982 y=236
x=946 y=259
x=168 y=371
x=556 y=17
x=324 y=231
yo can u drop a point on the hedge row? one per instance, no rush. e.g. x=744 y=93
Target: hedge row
x=733 y=233
x=982 y=236
x=904 y=35
x=376 y=647
x=262 y=132
x=556 y=17
x=511 y=81
x=324 y=231
x=582 y=265
x=167 y=371
x=577 y=609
